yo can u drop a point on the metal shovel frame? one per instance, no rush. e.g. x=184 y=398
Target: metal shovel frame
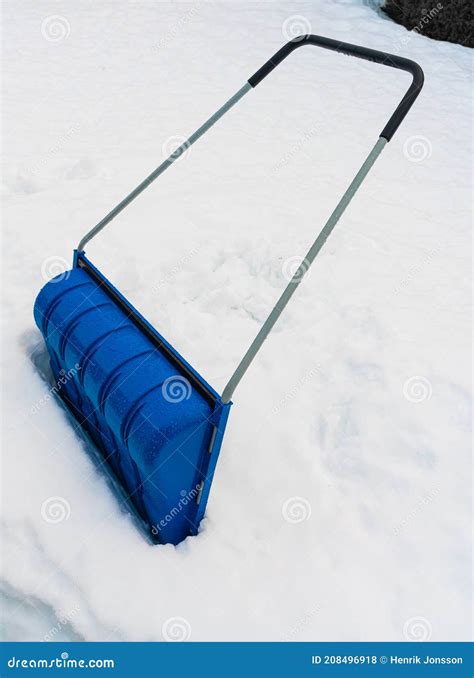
x=385 y=136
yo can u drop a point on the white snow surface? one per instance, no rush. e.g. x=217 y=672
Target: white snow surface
x=358 y=405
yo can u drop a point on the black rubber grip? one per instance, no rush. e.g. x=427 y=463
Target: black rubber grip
x=363 y=53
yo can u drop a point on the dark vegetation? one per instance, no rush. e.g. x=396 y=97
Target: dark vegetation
x=449 y=20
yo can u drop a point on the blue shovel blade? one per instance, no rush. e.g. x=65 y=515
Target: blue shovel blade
x=156 y=421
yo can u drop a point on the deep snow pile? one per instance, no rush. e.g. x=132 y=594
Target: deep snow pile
x=341 y=503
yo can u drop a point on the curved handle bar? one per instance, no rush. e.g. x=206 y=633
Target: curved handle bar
x=385 y=136
x=362 y=53
x=327 y=43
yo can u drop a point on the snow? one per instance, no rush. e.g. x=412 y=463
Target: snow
x=340 y=508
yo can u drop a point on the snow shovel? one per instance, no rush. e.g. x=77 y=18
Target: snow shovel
x=157 y=422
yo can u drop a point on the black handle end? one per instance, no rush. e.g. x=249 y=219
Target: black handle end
x=408 y=100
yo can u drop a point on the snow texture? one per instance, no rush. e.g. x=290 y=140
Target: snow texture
x=340 y=508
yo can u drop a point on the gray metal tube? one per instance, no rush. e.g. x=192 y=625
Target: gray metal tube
x=164 y=165
x=302 y=269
